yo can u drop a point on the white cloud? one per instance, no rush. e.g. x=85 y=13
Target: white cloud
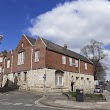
x=74 y=23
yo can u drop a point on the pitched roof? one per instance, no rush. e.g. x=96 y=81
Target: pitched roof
x=4 y=53
x=31 y=40
x=54 y=47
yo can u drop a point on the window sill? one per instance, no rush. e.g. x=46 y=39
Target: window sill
x=20 y=64
x=36 y=61
x=58 y=86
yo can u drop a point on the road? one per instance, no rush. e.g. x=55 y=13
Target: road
x=17 y=100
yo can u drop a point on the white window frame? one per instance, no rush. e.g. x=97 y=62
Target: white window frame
x=37 y=56
x=8 y=63
x=57 y=78
x=21 y=58
x=76 y=63
x=86 y=66
x=1 y=59
x=70 y=61
x=63 y=59
x=0 y=69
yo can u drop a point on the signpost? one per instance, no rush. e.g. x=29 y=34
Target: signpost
x=44 y=83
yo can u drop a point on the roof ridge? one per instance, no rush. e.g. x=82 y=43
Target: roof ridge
x=30 y=39
x=62 y=47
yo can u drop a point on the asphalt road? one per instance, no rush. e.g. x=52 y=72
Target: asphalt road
x=17 y=100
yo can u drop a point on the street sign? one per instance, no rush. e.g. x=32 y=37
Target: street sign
x=44 y=76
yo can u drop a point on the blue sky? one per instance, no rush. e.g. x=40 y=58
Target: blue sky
x=60 y=21
x=15 y=17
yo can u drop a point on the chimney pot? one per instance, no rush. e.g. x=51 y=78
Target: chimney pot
x=65 y=46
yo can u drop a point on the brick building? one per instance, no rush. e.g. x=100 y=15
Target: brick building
x=39 y=63
x=3 y=56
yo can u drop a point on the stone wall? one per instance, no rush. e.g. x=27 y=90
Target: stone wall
x=35 y=80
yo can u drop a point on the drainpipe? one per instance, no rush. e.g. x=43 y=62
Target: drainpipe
x=79 y=74
x=79 y=66
x=12 y=64
x=11 y=61
x=31 y=67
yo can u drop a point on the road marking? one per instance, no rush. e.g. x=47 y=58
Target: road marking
x=38 y=104
x=3 y=99
x=6 y=103
x=18 y=104
x=28 y=105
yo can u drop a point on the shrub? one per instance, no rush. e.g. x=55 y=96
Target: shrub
x=73 y=94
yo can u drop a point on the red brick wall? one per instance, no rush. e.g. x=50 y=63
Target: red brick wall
x=9 y=56
x=2 y=63
x=54 y=60
x=89 y=68
x=27 y=62
x=27 y=49
x=39 y=46
x=48 y=59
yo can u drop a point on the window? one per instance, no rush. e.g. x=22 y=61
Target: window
x=76 y=63
x=87 y=78
x=63 y=60
x=8 y=63
x=25 y=76
x=1 y=59
x=22 y=44
x=0 y=69
x=37 y=56
x=21 y=58
x=77 y=78
x=19 y=76
x=70 y=62
x=82 y=78
x=86 y=66
x=58 y=80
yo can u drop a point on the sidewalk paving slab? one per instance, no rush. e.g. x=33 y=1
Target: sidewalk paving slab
x=60 y=101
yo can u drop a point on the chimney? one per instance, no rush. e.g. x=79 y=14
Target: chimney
x=65 y=46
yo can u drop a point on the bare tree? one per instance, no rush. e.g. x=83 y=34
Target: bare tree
x=95 y=52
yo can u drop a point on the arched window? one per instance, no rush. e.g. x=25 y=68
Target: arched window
x=59 y=78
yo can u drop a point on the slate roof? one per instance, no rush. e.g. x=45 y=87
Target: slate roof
x=54 y=47
x=32 y=40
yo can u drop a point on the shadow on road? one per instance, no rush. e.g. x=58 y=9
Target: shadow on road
x=8 y=89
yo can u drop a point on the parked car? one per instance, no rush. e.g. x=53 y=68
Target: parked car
x=98 y=90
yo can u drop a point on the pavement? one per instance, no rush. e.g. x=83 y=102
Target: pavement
x=61 y=101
